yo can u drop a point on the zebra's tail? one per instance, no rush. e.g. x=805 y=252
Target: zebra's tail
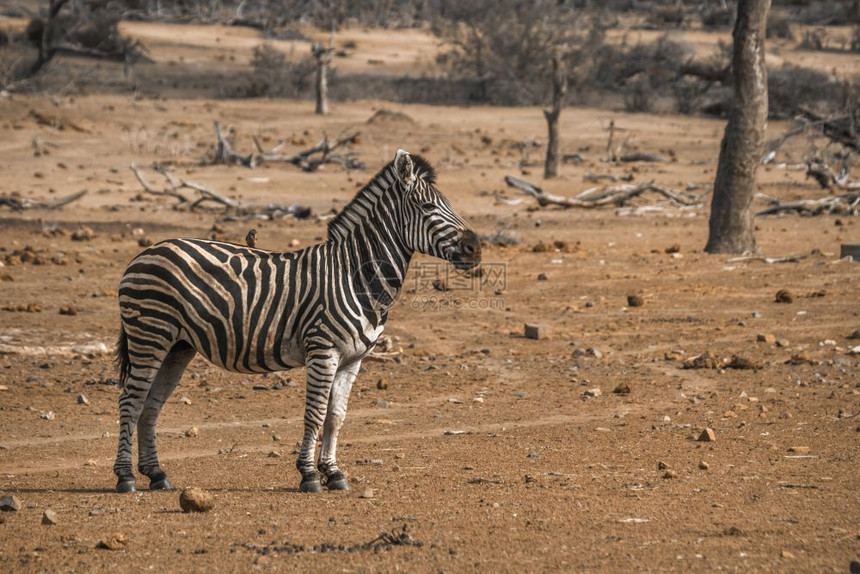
x=122 y=362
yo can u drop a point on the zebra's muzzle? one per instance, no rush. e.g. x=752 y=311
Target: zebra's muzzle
x=468 y=251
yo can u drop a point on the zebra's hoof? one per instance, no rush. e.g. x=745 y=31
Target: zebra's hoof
x=125 y=486
x=338 y=484
x=162 y=484
x=310 y=486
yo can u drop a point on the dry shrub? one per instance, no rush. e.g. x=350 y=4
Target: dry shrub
x=275 y=74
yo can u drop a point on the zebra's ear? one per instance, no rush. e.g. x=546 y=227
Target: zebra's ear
x=404 y=169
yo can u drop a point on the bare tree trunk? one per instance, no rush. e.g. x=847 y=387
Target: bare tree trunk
x=323 y=56
x=559 y=90
x=46 y=48
x=731 y=222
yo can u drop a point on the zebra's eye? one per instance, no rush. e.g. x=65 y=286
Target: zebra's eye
x=428 y=206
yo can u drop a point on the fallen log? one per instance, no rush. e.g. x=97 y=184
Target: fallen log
x=234 y=208
x=845 y=204
x=601 y=196
x=21 y=203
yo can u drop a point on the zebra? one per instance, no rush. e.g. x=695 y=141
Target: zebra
x=250 y=310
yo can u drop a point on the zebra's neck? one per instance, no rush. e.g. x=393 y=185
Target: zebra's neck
x=368 y=234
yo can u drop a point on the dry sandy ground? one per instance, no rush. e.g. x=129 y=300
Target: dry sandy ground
x=543 y=476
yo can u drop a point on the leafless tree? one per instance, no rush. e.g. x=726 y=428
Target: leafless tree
x=559 y=91
x=323 y=57
x=731 y=221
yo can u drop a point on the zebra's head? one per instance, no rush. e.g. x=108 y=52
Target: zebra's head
x=431 y=225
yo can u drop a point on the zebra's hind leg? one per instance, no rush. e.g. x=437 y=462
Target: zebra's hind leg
x=337 y=404
x=322 y=366
x=165 y=382
x=137 y=376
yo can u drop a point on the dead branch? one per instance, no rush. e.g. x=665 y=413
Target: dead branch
x=235 y=208
x=846 y=204
x=643 y=156
x=599 y=197
x=224 y=153
x=839 y=129
x=20 y=204
x=596 y=177
x=311 y=159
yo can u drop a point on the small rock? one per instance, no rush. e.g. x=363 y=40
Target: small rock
x=192 y=432
x=670 y=474
x=68 y=310
x=783 y=296
x=704 y=465
x=366 y=493
x=83 y=400
x=49 y=517
x=542 y=247
x=854 y=351
x=48 y=416
x=195 y=499
x=184 y=400
x=144 y=242
x=635 y=301
x=766 y=338
x=382 y=404
x=114 y=542
x=592 y=393
x=704 y=361
x=799 y=449
x=83 y=234
x=260 y=388
x=662 y=465
x=90 y=462
x=674 y=248
x=741 y=362
x=381 y=384
x=536 y=332
x=855 y=334
x=783 y=343
x=622 y=389
x=707 y=435
x=276 y=438
x=787 y=555
x=10 y=503
x=542 y=277
x=274 y=454
x=801 y=358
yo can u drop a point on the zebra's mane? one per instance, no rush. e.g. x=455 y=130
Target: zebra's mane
x=370 y=193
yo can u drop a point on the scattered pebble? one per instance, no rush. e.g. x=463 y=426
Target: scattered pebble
x=635 y=301
x=192 y=432
x=536 y=332
x=670 y=474
x=381 y=384
x=707 y=435
x=49 y=517
x=704 y=465
x=766 y=338
x=704 y=361
x=592 y=393
x=274 y=454
x=114 y=542
x=662 y=465
x=48 y=416
x=82 y=399
x=799 y=449
x=83 y=234
x=622 y=389
x=741 y=362
x=855 y=334
x=783 y=296
x=366 y=493
x=542 y=277
x=195 y=499
x=10 y=503
x=68 y=310
x=382 y=404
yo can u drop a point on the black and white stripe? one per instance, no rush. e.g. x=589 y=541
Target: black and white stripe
x=254 y=311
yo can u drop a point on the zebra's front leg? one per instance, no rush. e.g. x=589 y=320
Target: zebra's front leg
x=322 y=366
x=165 y=383
x=337 y=405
